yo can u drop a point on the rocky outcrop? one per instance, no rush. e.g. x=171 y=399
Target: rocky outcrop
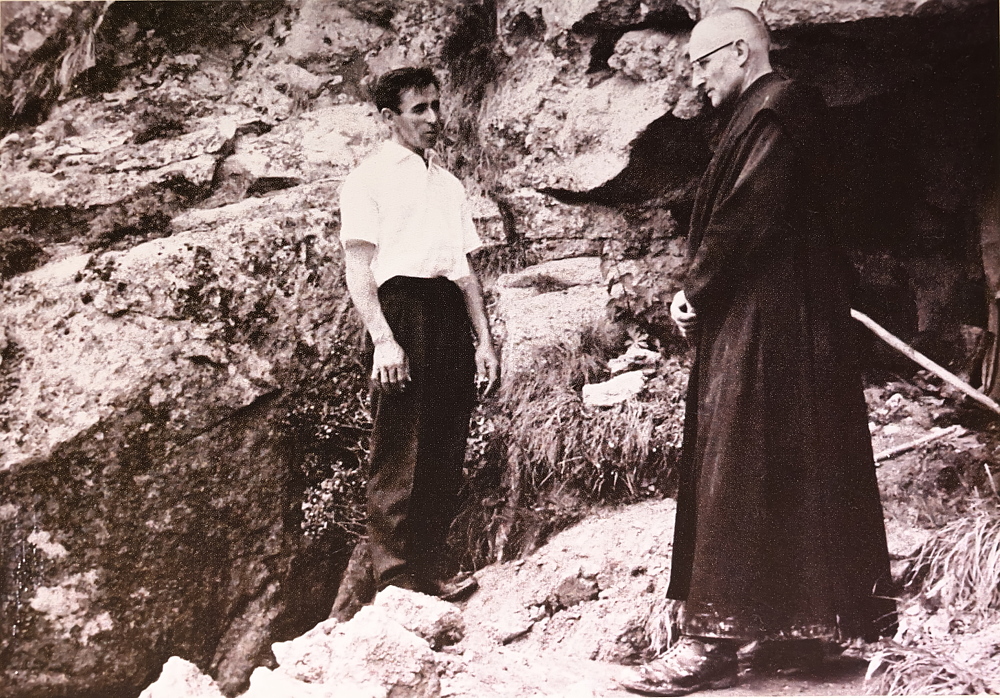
x=588 y=592
x=385 y=651
x=171 y=275
x=146 y=476
x=547 y=304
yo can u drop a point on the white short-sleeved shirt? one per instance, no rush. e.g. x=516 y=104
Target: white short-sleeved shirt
x=417 y=215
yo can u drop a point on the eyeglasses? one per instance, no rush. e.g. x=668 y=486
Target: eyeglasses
x=702 y=62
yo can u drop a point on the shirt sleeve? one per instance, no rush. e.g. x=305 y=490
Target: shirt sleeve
x=470 y=236
x=358 y=211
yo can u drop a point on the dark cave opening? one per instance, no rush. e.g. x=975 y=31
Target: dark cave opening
x=914 y=116
x=914 y=119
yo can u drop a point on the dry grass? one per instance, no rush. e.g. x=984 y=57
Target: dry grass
x=926 y=671
x=938 y=652
x=543 y=457
x=963 y=566
x=663 y=624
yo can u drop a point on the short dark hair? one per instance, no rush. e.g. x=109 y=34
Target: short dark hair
x=388 y=89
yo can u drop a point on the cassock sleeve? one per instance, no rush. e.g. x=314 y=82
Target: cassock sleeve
x=747 y=213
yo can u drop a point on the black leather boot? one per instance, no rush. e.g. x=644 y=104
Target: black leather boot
x=693 y=664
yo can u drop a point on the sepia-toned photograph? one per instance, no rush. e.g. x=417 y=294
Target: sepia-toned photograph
x=499 y=348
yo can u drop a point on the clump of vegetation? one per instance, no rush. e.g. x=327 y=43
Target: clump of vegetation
x=539 y=458
x=328 y=427
x=963 y=567
x=913 y=670
x=938 y=651
x=19 y=254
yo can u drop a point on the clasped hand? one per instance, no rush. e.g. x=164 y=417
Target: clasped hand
x=390 y=367
x=683 y=314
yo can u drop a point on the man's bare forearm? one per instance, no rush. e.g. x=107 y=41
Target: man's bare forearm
x=487 y=364
x=473 y=293
x=364 y=291
x=390 y=368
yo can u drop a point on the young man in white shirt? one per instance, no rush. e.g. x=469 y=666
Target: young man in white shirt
x=407 y=229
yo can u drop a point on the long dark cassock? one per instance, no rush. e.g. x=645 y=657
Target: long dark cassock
x=779 y=531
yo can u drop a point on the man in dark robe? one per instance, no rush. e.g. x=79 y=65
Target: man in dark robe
x=779 y=533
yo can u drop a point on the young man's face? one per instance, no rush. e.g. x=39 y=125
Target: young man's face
x=418 y=122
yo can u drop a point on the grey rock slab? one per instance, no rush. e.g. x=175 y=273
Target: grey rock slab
x=148 y=500
x=182 y=679
x=439 y=622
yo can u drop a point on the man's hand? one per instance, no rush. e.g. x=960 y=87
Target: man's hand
x=683 y=314
x=487 y=365
x=390 y=367
x=487 y=368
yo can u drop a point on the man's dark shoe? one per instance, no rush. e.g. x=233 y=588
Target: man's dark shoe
x=690 y=665
x=457 y=588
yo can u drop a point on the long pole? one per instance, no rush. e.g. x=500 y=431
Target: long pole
x=911 y=353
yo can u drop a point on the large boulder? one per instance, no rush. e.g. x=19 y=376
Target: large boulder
x=182 y=679
x=371 y=651
x=149 y=507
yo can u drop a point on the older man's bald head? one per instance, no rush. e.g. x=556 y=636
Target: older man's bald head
x=728 y=52
x=725 y=27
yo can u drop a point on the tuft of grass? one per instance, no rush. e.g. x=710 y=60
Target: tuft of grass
x=962 y=565
x=958 y=573
x=930 y=671
x=663 y=624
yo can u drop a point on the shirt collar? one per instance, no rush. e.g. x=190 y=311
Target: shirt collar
x=397 y=153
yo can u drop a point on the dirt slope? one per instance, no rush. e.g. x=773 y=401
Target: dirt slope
x=562 y=641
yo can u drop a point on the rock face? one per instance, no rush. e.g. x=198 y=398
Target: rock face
x=142 y=443
x=151 y=500
x=172 y=284
x=593 y=107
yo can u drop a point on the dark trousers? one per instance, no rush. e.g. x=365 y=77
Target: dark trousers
x=419 y=436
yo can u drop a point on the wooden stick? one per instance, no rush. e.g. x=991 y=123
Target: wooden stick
x=911 y=353
x=888 y=453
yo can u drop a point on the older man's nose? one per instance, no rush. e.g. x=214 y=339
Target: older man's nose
x=697 y=79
